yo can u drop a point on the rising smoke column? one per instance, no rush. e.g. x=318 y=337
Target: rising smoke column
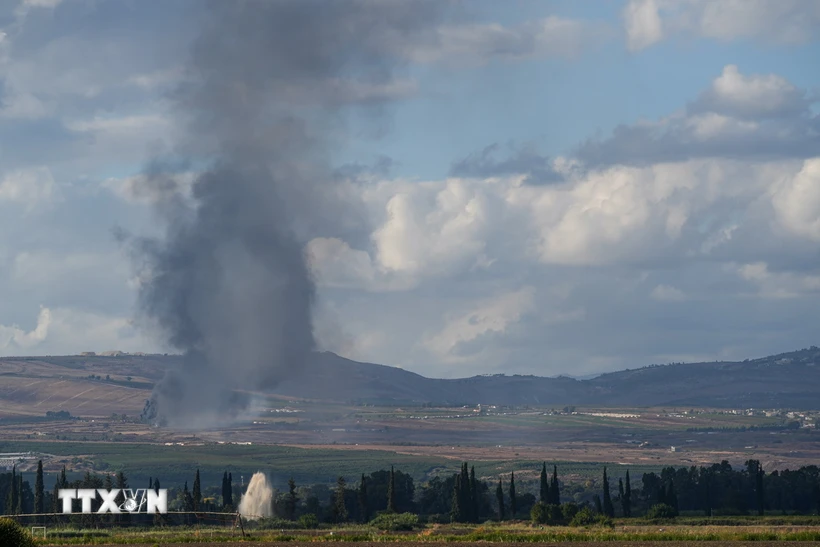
x=261 y=108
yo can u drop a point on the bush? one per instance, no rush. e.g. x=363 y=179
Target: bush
x=309 y=521
x=661 y=511
x=569 y=510
x=604 y=520
x=584 y=517
x=542 y=513
x=393 y=522
x=13 y=535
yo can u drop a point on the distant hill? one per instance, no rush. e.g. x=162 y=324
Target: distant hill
x=785 y=380
x=788 y=380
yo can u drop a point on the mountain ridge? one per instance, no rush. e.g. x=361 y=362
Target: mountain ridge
x=785 y=380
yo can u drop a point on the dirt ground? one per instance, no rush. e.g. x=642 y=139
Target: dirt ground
x=473 y=544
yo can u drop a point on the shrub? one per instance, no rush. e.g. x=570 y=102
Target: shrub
x=393 y=522
x=13 y=535
x=584 y=517
x=309 y=521
x=543 y=513
x=661 y=511
x=569 y=510
x=604 y=520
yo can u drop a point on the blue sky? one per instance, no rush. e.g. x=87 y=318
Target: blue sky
x=572 y=187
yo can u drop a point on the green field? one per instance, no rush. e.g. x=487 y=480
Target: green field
x=176 y=464
x=618 y=532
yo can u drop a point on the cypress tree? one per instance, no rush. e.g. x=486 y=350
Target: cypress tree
x=473 y=496
x=464 y=502
x=63 y=479
x=455 y=508
x=364 y=510
x=545 y=489
x=621 y=495
x=11 y=502
x=759 y=491
x=290 y=504
x=196 y=494
x=598 y=507
x=609 y=510
x=339 y=507
x=391 y=492
x=499 y=496
x=627 y=502
x=38 y=489
x=188 y=500
x=513 y=504
x=19 y=510
x=56 y=504
x=555 y=491
x=225 y=489
x=230 y=489
x=156 y=484
x=672 y=497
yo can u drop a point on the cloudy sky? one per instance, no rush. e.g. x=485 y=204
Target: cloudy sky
x=549 y=186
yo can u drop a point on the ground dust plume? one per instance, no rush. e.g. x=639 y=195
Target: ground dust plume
x=256 y=501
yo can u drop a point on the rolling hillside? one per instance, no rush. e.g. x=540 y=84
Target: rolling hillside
x=102 y=385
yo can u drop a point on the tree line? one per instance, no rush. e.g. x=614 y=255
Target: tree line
x=465 y=498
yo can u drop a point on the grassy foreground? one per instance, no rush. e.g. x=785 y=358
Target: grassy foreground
x=443 y=534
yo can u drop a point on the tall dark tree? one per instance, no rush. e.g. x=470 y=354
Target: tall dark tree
x=196 y=492
x=63 y=479
x=755 y=472
x=225 y=489
x=599 y=508
x=621 y=495
x=499 y=497
x=230 y=489
x=555 y=490
x=39 y=492
x=465 y=502
x=290 y=501
x=608 y=508
x=56 y=503
x=187 y=499
x=671 y=496
x=19 y=510
x=11 y=501
x=364 y=509
x=626 y=502
x=156 y=484
x=339 y=507
x=391 y=492
x=455 y=508
x=545 y=487
x=474 y=505
x=513 y=504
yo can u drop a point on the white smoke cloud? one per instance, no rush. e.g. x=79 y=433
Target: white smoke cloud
x=256 y=501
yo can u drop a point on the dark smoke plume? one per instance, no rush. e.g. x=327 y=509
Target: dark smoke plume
x=266 y=93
